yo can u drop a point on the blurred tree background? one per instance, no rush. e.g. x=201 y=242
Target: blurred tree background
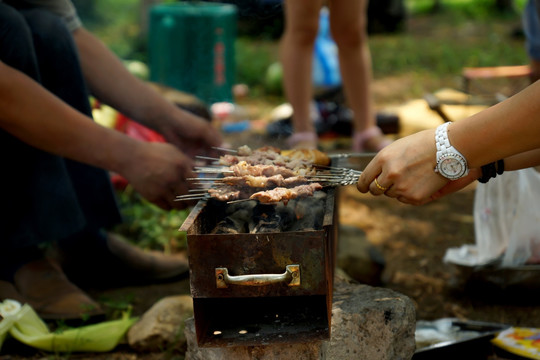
x=435 y=38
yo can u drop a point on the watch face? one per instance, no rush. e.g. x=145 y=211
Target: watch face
x=451 y=168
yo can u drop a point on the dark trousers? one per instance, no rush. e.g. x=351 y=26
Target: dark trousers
x=46 y=198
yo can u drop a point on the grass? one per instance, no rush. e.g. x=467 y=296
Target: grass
x=438 y=46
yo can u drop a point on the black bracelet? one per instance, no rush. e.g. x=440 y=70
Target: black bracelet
x=500 y=166
x=491 y=170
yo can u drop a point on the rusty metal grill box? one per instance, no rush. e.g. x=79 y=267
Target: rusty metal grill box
x=253 y=289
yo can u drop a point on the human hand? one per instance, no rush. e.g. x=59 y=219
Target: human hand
x=405 y=170
x=190 y=133
x=158 y=171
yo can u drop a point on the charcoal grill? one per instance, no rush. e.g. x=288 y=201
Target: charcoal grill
x=256 y=289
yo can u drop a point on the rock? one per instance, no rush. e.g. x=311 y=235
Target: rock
x=367 y=323
x=358 y=257
x=371 y=323
x=162 y=326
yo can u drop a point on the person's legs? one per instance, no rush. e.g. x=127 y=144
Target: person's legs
x=41 y=202
x=348 y=25
x=531 y=28
x=61 y=74
x=301 y=25
x=37 y=188
x=53 y=200
x=56 y=52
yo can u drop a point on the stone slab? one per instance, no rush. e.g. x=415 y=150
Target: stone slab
x=367 y=323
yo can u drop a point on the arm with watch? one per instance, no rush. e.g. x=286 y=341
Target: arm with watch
x=424 y=166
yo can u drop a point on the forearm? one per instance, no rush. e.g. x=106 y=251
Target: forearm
x=35 y=116
x=523 y=160
x=111 y=82
x=501 y=131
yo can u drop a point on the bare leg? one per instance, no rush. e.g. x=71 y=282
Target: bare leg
x=348 y=26
x=301 y=25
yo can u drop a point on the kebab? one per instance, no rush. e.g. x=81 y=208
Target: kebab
x=283 y=175
x=263 y=181
x=244 y=168
x=273 y=156
x=281 y=194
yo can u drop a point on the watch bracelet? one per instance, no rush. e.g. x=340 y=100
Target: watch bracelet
x=444 y=149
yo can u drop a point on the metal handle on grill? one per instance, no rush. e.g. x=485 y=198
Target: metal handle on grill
x=290 y=276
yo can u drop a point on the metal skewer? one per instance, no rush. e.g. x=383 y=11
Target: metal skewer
x=224 y=149
x=240 y=200
x=208 y=170
x=191 y=199
x=187 y=196
x=206 y=158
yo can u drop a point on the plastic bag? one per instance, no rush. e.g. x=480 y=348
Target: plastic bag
x=507 y=218
x=23 y=323
x=325 y=70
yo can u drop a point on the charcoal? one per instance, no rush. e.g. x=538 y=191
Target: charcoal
x=264 y=219
x=286 y=215
x=266 y=227
x=230 y=225
x=302 y=214
x=309 y=213
x=237 y=221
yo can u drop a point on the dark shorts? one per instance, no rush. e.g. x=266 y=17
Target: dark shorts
x=45 y=198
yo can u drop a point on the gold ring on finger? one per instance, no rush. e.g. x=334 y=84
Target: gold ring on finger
x=379 y=186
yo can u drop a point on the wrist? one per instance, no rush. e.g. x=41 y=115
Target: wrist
x=123 y=154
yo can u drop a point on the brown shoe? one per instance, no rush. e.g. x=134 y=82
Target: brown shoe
x=124 y=264
x=46 y=288
x=8 y=291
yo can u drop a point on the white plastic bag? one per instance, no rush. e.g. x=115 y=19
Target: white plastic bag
x=507 y=218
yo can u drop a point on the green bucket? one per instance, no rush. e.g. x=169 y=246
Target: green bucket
x=191 y=48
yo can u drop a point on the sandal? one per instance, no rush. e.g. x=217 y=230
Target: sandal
x=46 y=288
x=303 y=140
x=371 y=139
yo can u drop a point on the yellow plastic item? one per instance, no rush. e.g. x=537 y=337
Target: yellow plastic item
x=520 y=341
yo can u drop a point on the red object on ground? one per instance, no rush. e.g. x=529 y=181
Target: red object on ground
x=136 y=131
x=118 y=181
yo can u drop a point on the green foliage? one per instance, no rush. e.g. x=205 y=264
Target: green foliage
x=438 y=55
x=149 y=226
x=473 y=9
x=117 y=304
x=464 y=33
x=253 y=57
x=117 y=23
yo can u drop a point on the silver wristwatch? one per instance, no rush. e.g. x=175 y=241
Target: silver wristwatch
x=450 y=163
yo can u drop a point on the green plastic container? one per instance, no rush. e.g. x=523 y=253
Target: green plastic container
x=191 y=48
